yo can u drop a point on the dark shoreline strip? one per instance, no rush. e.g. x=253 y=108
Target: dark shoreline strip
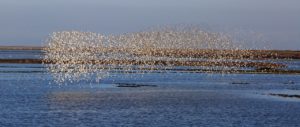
x=20 y=48
x=258 y=65
x=261 y=68
x=195 y=53
x=22 y=61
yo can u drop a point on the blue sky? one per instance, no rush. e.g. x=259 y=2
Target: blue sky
x=29 y=22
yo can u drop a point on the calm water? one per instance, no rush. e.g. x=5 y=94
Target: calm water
x=29 y=97
x=20 y=54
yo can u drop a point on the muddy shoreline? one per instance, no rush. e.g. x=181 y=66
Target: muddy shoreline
x=261 y=68
x=196 y=53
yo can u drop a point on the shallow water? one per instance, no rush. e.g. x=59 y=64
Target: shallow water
x=29 y=97
x=21 y=54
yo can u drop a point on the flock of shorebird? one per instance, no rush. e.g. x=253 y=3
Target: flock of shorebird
x=75 y=56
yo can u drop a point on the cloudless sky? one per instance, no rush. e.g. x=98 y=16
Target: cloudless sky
x=29 y=22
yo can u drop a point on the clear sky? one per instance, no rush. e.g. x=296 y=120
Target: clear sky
x=29 y=22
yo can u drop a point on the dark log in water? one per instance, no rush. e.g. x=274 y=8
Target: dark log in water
x=286 y=95
x=132 y=85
